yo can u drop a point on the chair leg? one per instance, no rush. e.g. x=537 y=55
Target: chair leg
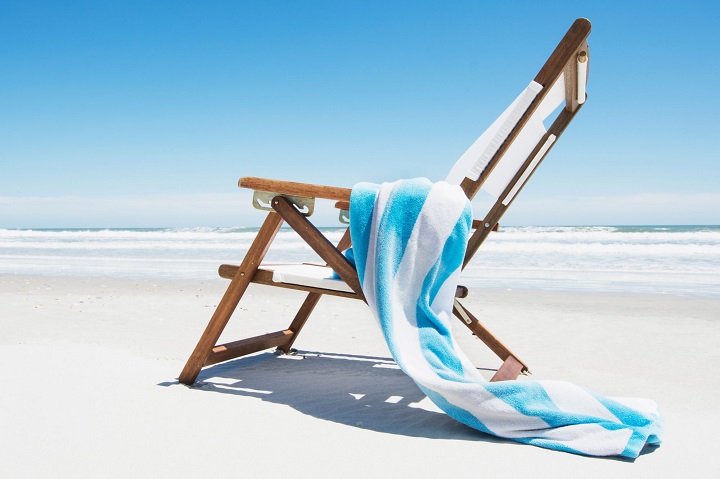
x=300 y=318
x=231 y=298
x=510 y=369
x=511 y=365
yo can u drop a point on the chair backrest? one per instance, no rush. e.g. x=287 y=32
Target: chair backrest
x=505 y=156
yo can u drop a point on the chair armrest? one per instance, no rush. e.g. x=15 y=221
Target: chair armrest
x=295 y=189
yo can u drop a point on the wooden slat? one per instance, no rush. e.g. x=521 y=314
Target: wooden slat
x=295 y=189
x=231 y=298
x=235 y=349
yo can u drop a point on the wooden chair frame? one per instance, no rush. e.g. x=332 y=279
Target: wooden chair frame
x=571 y=49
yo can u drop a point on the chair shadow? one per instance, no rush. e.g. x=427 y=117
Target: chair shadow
x=359 y=391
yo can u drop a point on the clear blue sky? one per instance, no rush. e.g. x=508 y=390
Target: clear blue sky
x=137 y=113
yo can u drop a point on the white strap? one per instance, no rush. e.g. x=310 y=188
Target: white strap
x=472 y=163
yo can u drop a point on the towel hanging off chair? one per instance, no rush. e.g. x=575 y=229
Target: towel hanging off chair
x=409 y=241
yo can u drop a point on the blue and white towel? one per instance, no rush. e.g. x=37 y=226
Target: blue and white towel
x=409 y=239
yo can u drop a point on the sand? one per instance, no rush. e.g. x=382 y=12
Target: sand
x=90 y=386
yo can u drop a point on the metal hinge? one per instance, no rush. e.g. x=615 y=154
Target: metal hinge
x=262 y=201
x=463 y=313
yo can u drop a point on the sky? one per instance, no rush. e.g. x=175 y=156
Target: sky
x=145 y=114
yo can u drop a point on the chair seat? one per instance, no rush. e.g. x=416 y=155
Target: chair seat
x=307 y=274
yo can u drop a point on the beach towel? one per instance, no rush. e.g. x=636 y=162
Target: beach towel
x=409 y=239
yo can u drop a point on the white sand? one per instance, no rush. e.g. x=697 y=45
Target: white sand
x=91 y=365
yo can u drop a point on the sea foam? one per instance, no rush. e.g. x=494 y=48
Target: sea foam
x=657 y=259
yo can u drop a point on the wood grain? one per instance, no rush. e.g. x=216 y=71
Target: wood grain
x=295 y=189
x=235 y=349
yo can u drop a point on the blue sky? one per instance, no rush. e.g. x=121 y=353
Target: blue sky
x=141 y=114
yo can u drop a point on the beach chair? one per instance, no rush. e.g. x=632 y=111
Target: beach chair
x=501 y=161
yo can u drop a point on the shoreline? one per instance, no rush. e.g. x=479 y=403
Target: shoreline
x=671 y=260
x=470 y=283
x=92 y=366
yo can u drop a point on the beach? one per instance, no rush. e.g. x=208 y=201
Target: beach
x=92 y=363
x=128 y=125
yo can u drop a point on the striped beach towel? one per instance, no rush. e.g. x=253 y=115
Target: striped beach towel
x=409 y=238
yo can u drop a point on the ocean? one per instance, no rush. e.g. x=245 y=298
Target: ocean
x=681 y=260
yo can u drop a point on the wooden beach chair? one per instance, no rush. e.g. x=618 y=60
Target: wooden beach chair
x=500 y=161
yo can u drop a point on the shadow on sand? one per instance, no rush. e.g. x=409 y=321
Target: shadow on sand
x=360 y=391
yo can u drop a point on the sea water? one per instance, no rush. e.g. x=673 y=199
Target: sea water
x=682 y=260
